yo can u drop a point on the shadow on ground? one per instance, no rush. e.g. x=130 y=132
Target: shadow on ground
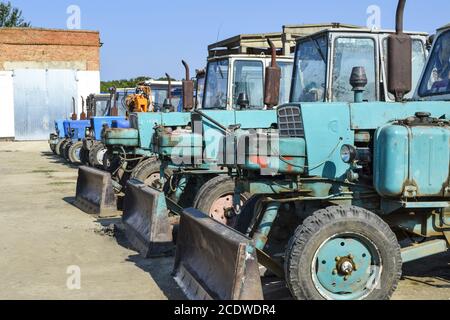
x=433 y=271
x=53 y=158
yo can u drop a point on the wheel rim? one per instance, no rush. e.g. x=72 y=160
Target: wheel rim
x=100 y=155
x=221 y=206
x=152 y=179
x=346 y=266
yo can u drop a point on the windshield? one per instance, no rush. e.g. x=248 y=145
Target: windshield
x=418 y=62
x=310 y=71
x=248 y=79
x=437 y=75
x=215 y=96
x=286 y=79
x=349 y=53
x=102 y=108
x=158 y=97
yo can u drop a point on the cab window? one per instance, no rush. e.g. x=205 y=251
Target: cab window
x=216 y=85
x=286 y=79
x=248 y=78
x=349 y=53
x=437 y=75
x=309 y=78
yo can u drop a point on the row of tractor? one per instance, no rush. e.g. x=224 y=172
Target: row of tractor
x=318 y=155
x=78 y=139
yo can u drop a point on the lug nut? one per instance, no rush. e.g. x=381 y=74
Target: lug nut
x=335 y=272
x=338 y=258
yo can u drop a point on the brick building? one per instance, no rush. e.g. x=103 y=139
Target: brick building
x=40 y=71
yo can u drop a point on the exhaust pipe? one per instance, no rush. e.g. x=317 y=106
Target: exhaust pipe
x=188 y=89
x=399 y=58
x=167 y=106
x=83 y=114
x=74 y=110
x=114 y=110
x=272 y=81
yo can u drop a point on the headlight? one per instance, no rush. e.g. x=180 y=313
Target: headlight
x=348 y=153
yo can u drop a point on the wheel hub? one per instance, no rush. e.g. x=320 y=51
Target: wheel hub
x=346 y=267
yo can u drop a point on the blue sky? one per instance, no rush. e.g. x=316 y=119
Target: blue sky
x=151 y=37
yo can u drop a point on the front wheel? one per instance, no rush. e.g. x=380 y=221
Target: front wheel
x=148 y=171
x=343 y=253
x=216 y=198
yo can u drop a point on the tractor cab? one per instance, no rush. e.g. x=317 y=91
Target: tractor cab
x=324 y=63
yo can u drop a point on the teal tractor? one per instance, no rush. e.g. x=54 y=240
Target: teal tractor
x=344 y=193
x=191 y=158
x=234 y=93
x=129 y=152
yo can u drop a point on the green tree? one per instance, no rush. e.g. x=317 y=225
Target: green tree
x=11 y=16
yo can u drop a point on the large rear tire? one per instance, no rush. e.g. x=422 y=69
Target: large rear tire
x=96 y=155
x=84 y=156
x=215 y=198
x=64 y=149
x=59 y=147
x=343 y=253
x=74 y=152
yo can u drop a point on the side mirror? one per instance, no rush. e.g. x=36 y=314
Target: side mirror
x=188 y=90
x=399 y=58
x=272 y=81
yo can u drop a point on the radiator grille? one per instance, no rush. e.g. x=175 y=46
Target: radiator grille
x=290 y=122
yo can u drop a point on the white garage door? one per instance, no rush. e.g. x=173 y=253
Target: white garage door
x=40 y=97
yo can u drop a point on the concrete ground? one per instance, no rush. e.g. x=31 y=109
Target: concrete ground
x=43 y=236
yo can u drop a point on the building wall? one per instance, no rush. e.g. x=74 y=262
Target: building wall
x=55 y=49
x=39 y=51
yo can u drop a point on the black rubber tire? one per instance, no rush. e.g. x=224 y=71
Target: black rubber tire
x=325 y=223
x=65 y=151
x=53 y=148
x=72 y=152
x=84 y=156
x=146 y=168
x=213 y=189
x=64 y=148
x=59 y=147
x=93 y=154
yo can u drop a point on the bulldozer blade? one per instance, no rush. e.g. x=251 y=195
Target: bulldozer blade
x=214 y=261
x=146 y=220
x=95 y=193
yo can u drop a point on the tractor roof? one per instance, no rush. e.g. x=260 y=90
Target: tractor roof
x=254 y=44
x=363 y=30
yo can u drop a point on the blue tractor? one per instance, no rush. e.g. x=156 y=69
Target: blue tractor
x=344 y=193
